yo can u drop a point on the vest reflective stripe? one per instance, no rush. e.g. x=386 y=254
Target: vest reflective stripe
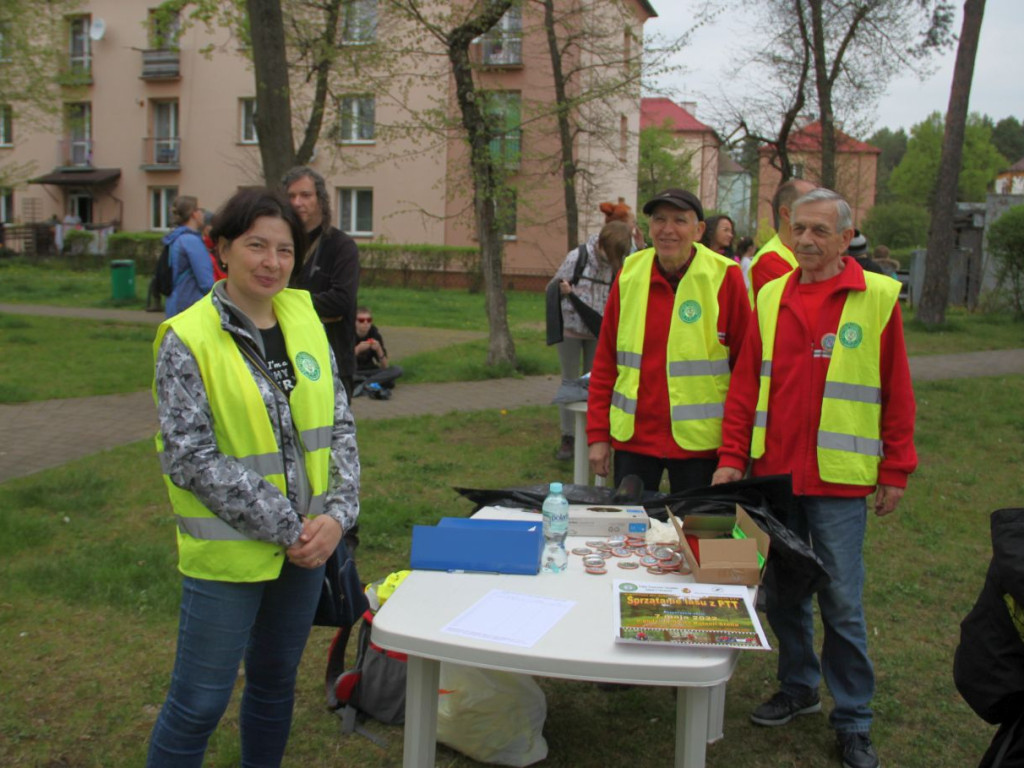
x=849 y=445
x=209 y=528
x=772 y=246
x=697 y=368
x=207 y=546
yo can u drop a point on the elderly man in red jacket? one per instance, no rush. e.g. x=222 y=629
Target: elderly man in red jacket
x=822 y=392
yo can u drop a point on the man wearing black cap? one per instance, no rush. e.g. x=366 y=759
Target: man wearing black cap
x=858 y=250
x=672 y=328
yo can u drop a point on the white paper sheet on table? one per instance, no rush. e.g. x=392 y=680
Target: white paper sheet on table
x=511 y=618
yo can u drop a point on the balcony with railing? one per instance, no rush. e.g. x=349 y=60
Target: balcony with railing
x=161 y=154
x=161 y=64
x=74 y=153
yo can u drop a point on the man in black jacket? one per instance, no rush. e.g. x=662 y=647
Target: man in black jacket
x=331 y=269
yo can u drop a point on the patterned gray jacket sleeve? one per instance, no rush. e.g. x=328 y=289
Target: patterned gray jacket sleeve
x=237 y=495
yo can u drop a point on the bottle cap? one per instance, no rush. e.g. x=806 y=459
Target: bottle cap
x=555 y=488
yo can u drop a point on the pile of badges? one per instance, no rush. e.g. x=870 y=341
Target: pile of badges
x=631 y=553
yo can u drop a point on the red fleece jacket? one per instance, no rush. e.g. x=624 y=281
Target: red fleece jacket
x=769 y=266
x=652 y=435
x=797 y=387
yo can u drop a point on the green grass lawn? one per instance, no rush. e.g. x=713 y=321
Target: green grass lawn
x=90 y=591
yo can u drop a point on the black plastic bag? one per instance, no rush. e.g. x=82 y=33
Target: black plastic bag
x=790 y=558
x=342 y=600
x=532 y=496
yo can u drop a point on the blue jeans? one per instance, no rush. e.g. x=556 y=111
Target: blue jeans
x=835 y=529
x=266 y=623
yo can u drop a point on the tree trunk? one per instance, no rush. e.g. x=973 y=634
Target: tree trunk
x=568 y=163
x=328 y=42
x=273 y=99
x=824 y=90
x=486 y=180
x=935 y=293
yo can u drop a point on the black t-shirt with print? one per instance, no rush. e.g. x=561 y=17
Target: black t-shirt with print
x=278 y=364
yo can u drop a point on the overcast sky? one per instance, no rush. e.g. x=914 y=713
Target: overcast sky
x=998 y=88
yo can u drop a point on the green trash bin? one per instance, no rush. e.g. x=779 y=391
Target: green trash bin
x=122 y=279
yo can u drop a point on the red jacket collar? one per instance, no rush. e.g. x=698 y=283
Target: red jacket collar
x=850 y=279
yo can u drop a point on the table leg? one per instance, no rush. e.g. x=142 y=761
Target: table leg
x=580 y=457
x=423 y=676
x=691 y=726
x=716 y=713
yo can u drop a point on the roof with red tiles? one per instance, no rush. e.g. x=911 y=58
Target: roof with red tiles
x=655 y=111
x=808 y=139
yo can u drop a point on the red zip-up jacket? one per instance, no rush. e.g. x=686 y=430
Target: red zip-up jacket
x=652 y=435
x=799 y=367
x=769 y=266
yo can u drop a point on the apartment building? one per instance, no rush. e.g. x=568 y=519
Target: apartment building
x=154 y=107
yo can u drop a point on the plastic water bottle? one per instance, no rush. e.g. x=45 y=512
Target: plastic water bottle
x=556 y=526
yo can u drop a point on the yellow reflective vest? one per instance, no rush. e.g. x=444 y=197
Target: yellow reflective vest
x=849 y=444
x=774 y=245
x=698 y=362
x=209 y=548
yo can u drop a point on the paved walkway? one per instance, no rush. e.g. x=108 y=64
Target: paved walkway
x=37 y=436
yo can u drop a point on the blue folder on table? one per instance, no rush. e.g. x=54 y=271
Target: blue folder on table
x=466 y=544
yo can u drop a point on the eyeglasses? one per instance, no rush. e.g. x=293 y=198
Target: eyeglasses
x=364 y=319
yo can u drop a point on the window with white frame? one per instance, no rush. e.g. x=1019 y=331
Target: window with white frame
x=160 y=201
x=79 y=135
x=165 y=132
x=359 y=22
x=6 y=205
x=503 y=43
x=79 y=50
x=6 y=126
x=355 y=211
x=248 y=121
x=356 y=120
x=506 y=212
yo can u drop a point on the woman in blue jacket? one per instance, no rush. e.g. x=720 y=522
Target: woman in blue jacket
x=191 y=267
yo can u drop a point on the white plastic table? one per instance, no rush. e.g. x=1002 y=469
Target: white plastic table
x=579 y=647
x=580 y=456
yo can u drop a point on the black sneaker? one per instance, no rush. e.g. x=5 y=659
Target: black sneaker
x=856 y=751
x=781 y=708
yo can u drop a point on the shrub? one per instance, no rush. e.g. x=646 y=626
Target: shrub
x=1006 y=244
x=142 y=247
x=897 y=225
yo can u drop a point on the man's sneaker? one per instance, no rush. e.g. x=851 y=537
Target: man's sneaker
x=856 y=751
x=781 y=708
x=566 y=448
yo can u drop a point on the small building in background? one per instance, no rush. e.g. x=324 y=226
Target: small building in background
x=1011 y=181
x=699 y=145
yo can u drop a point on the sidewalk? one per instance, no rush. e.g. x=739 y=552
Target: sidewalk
x=42 y=435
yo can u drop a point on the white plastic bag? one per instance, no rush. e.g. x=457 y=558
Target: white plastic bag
x=492 y=717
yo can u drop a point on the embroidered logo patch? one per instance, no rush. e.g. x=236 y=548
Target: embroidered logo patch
x=851 y=335
x=828 y=341
x=307 y=366
x=689 y=311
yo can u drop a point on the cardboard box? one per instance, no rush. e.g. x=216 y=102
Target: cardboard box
x=605 y=520
x=491 y=546
x=728 y=560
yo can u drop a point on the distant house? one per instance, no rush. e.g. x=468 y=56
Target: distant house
x=699 y=142
x=1011 y=181
x=856 y=169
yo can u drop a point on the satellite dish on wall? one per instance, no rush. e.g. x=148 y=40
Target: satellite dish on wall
x=97 y=29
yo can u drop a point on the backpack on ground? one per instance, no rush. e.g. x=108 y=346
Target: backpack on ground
x=163 y=276
x=374 y=687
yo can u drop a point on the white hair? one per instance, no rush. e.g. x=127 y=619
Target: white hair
x=844 y=216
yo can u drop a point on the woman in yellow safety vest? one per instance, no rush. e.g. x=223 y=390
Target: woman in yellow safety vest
x=258 y=450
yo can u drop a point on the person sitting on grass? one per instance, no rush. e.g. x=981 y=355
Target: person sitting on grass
x=373 y=373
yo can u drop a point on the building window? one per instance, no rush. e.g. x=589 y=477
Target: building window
x=798 y=170
x=248 y=121
x=357 y=119
x=505 y=212
x=355 y=213
x=164 y=29
x=6 y=126
x=502 y=46
x=6 y=205
x=502 y=112
x=359 y=22
x=5 y=54
x=166 y=142
x=79 y=136
x=79 y=51
x=160 y=201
